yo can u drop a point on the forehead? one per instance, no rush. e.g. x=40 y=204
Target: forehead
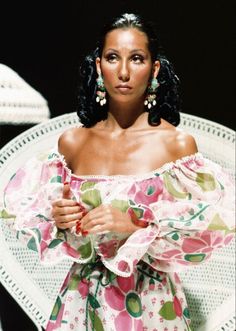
x=128 y=38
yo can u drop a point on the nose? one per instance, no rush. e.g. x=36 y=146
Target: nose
x=124 y=74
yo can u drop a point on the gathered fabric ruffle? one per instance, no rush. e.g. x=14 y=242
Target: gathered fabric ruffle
x=187 y=206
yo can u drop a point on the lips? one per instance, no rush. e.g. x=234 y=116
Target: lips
x=123 y=86
x=124 y=89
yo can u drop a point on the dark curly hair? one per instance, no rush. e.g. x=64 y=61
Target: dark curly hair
x=168 y=98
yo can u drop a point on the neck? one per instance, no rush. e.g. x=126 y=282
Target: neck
x=121 y=116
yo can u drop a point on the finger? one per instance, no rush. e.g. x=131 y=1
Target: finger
x=67 y=225
x=93 y=223
x=100 y=229
x=68 y=218
x=64 y=203
x=66 y=194
x=96 y=214
x=68 y=210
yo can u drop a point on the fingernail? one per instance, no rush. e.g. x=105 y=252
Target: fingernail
x=84 y=233
x=66 y=183
x=84 y=213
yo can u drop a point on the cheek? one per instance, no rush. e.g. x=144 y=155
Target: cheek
x=109 y=75
x=141 y=77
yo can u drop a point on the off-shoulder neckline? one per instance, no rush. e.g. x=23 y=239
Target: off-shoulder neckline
x=165 y=167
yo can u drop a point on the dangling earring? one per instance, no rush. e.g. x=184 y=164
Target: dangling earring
x=151 y=96
x=101 y=92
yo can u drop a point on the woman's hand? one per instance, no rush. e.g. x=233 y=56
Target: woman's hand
x=66 y=212
x=107 y=218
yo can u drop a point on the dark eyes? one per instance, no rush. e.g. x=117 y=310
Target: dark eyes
x=138 y=59
x=112 y=58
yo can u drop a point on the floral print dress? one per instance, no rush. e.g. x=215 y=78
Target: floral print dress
x=120 y=282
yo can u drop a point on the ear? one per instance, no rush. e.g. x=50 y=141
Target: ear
x=98 y=65
x=156 y=68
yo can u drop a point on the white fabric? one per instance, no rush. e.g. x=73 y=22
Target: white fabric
x=35 y=287
x=19 y=102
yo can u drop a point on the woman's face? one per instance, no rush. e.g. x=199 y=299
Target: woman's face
x=126 y=64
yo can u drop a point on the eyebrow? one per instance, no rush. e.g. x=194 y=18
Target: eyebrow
x=133 y=50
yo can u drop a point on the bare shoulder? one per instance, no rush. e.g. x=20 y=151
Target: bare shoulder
x=184 y=144
x=70 y=141
x=178 y=142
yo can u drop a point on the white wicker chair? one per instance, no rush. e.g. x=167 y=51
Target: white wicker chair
x=20 y=103
x=209 y=287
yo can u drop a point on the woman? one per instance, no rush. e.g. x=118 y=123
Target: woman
x=127 y=196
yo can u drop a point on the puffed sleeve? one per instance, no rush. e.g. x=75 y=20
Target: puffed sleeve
x=190 y=212
x=28 y=197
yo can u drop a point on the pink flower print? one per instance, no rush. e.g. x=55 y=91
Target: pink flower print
x=177 y=280
x=83 y=287
x=177 y=307
x=146 y=191
x=125 y=300
x=43 y=246
x=207 y=241
x=45 y=229
x=108 y=249
x=154 y=300
x=54 y=325
x=150 y=314
x=68 y=250
x=16 y=181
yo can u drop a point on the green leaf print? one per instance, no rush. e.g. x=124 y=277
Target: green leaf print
x=85 y=250
x=4 y=214
x=74 y=282
x=186 y=313
x=150 y=190
x=56 y=309
x=167 y=311
x=132 y=203
x=172 y=287
x=56 y=179
x=54 y=243
x=32 y=244
x=122 y=205
x=175 y=236
x=191 y=211
x=133 y=304
x=206 y=181
x=96 y=321
x=218 y=224
x=138 y=212
x=150 y=259
x=38 y=233
x=171 y=189
x=195 y=257
x=61 y=234
x=91 y=198
x=87 y=185
x=93 y=301
x=43 y=217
